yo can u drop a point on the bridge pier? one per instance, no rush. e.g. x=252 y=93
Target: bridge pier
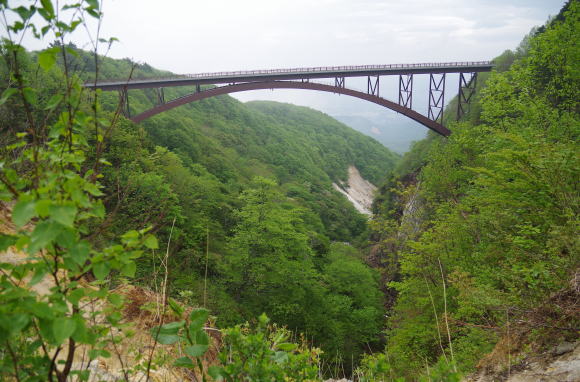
x=124 y=97
x=160 y=96
x=466 y=91
x=406 y=90
x=373 y=88
x=436 y=97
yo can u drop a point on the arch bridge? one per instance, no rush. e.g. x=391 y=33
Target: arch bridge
x=306 y=78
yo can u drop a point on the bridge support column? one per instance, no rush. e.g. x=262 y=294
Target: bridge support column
x=467 y=85
x=373 y=88
x=436 y=97
x=160 y=96
x=124 y=98
x=339 y=82
x=406 y=90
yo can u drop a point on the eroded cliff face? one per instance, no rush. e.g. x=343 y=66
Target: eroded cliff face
x=359 y=191
x=561 y=364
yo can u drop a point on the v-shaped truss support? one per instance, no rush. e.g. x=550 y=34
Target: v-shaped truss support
x=467 y=85
x=406 y=90
x=373 y=86
x=436 y=97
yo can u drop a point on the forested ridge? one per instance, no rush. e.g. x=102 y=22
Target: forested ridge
x=491 y=243
x=223 y=217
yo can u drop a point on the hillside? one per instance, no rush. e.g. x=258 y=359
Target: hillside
x=477 y=234
x=393 y=131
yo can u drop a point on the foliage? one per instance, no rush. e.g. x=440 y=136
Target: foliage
x=56 y=202
x=498 y=205
x=265 y=354
x=191 y=333
x=274 y=270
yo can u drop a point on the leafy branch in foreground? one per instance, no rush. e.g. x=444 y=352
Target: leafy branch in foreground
x=57 y=313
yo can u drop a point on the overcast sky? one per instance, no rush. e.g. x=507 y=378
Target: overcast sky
x=189 y=36
x=192 y=36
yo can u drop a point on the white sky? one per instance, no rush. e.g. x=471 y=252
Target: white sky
x=189 y=36
x=192 y=36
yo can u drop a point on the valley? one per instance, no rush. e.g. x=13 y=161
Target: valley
x=223 y=240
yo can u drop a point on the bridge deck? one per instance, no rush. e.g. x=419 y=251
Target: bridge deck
x=295 y=74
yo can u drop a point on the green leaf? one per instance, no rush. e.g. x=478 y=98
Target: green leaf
x=44 y=233
x=151 y=242
x=63 y=328
x=14 y=323
x=47 y=58
x=280 y=357
x=93 y=3
x=53 y=102
x=286 y=346
x=29 y=95
x=164 y=339
x=6 y=241
x=47 y=6
x=216 y=373
x=196 y=350
x=101 y=270
x=75 y=296
x=42 y=207
x=93 y=12
x=41 y=310
x=80 y=252
x=25 y=13
x=129 y=269
x=184 y=362
x=7 y=94
x=115 y=299
x=167 y=334
x=263 y=320
x=93 y=189
x=39 y=274
x=81 y=333
x=197 y=318
x=63 y=213
x=22 y=212
x=175 y=307
x=172 y=327
x=200 y=337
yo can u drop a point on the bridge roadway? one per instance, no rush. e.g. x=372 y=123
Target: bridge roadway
x=294 y=74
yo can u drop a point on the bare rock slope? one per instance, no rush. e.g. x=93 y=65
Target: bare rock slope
x=358 y=190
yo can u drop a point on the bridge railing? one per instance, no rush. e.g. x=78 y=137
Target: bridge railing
x=318 y=69
x=308 y=70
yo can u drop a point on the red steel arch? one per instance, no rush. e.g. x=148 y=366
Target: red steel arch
x=234 y=88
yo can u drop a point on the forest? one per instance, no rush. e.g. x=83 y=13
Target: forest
x=216 y=224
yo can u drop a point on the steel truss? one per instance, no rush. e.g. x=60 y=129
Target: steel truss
x=436 y=97
x=467 y=85
x=406 y=90
x=160 y=96
x=373 y=86
x=124 y=97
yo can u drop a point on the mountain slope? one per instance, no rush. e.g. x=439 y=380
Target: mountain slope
x=491 y=260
